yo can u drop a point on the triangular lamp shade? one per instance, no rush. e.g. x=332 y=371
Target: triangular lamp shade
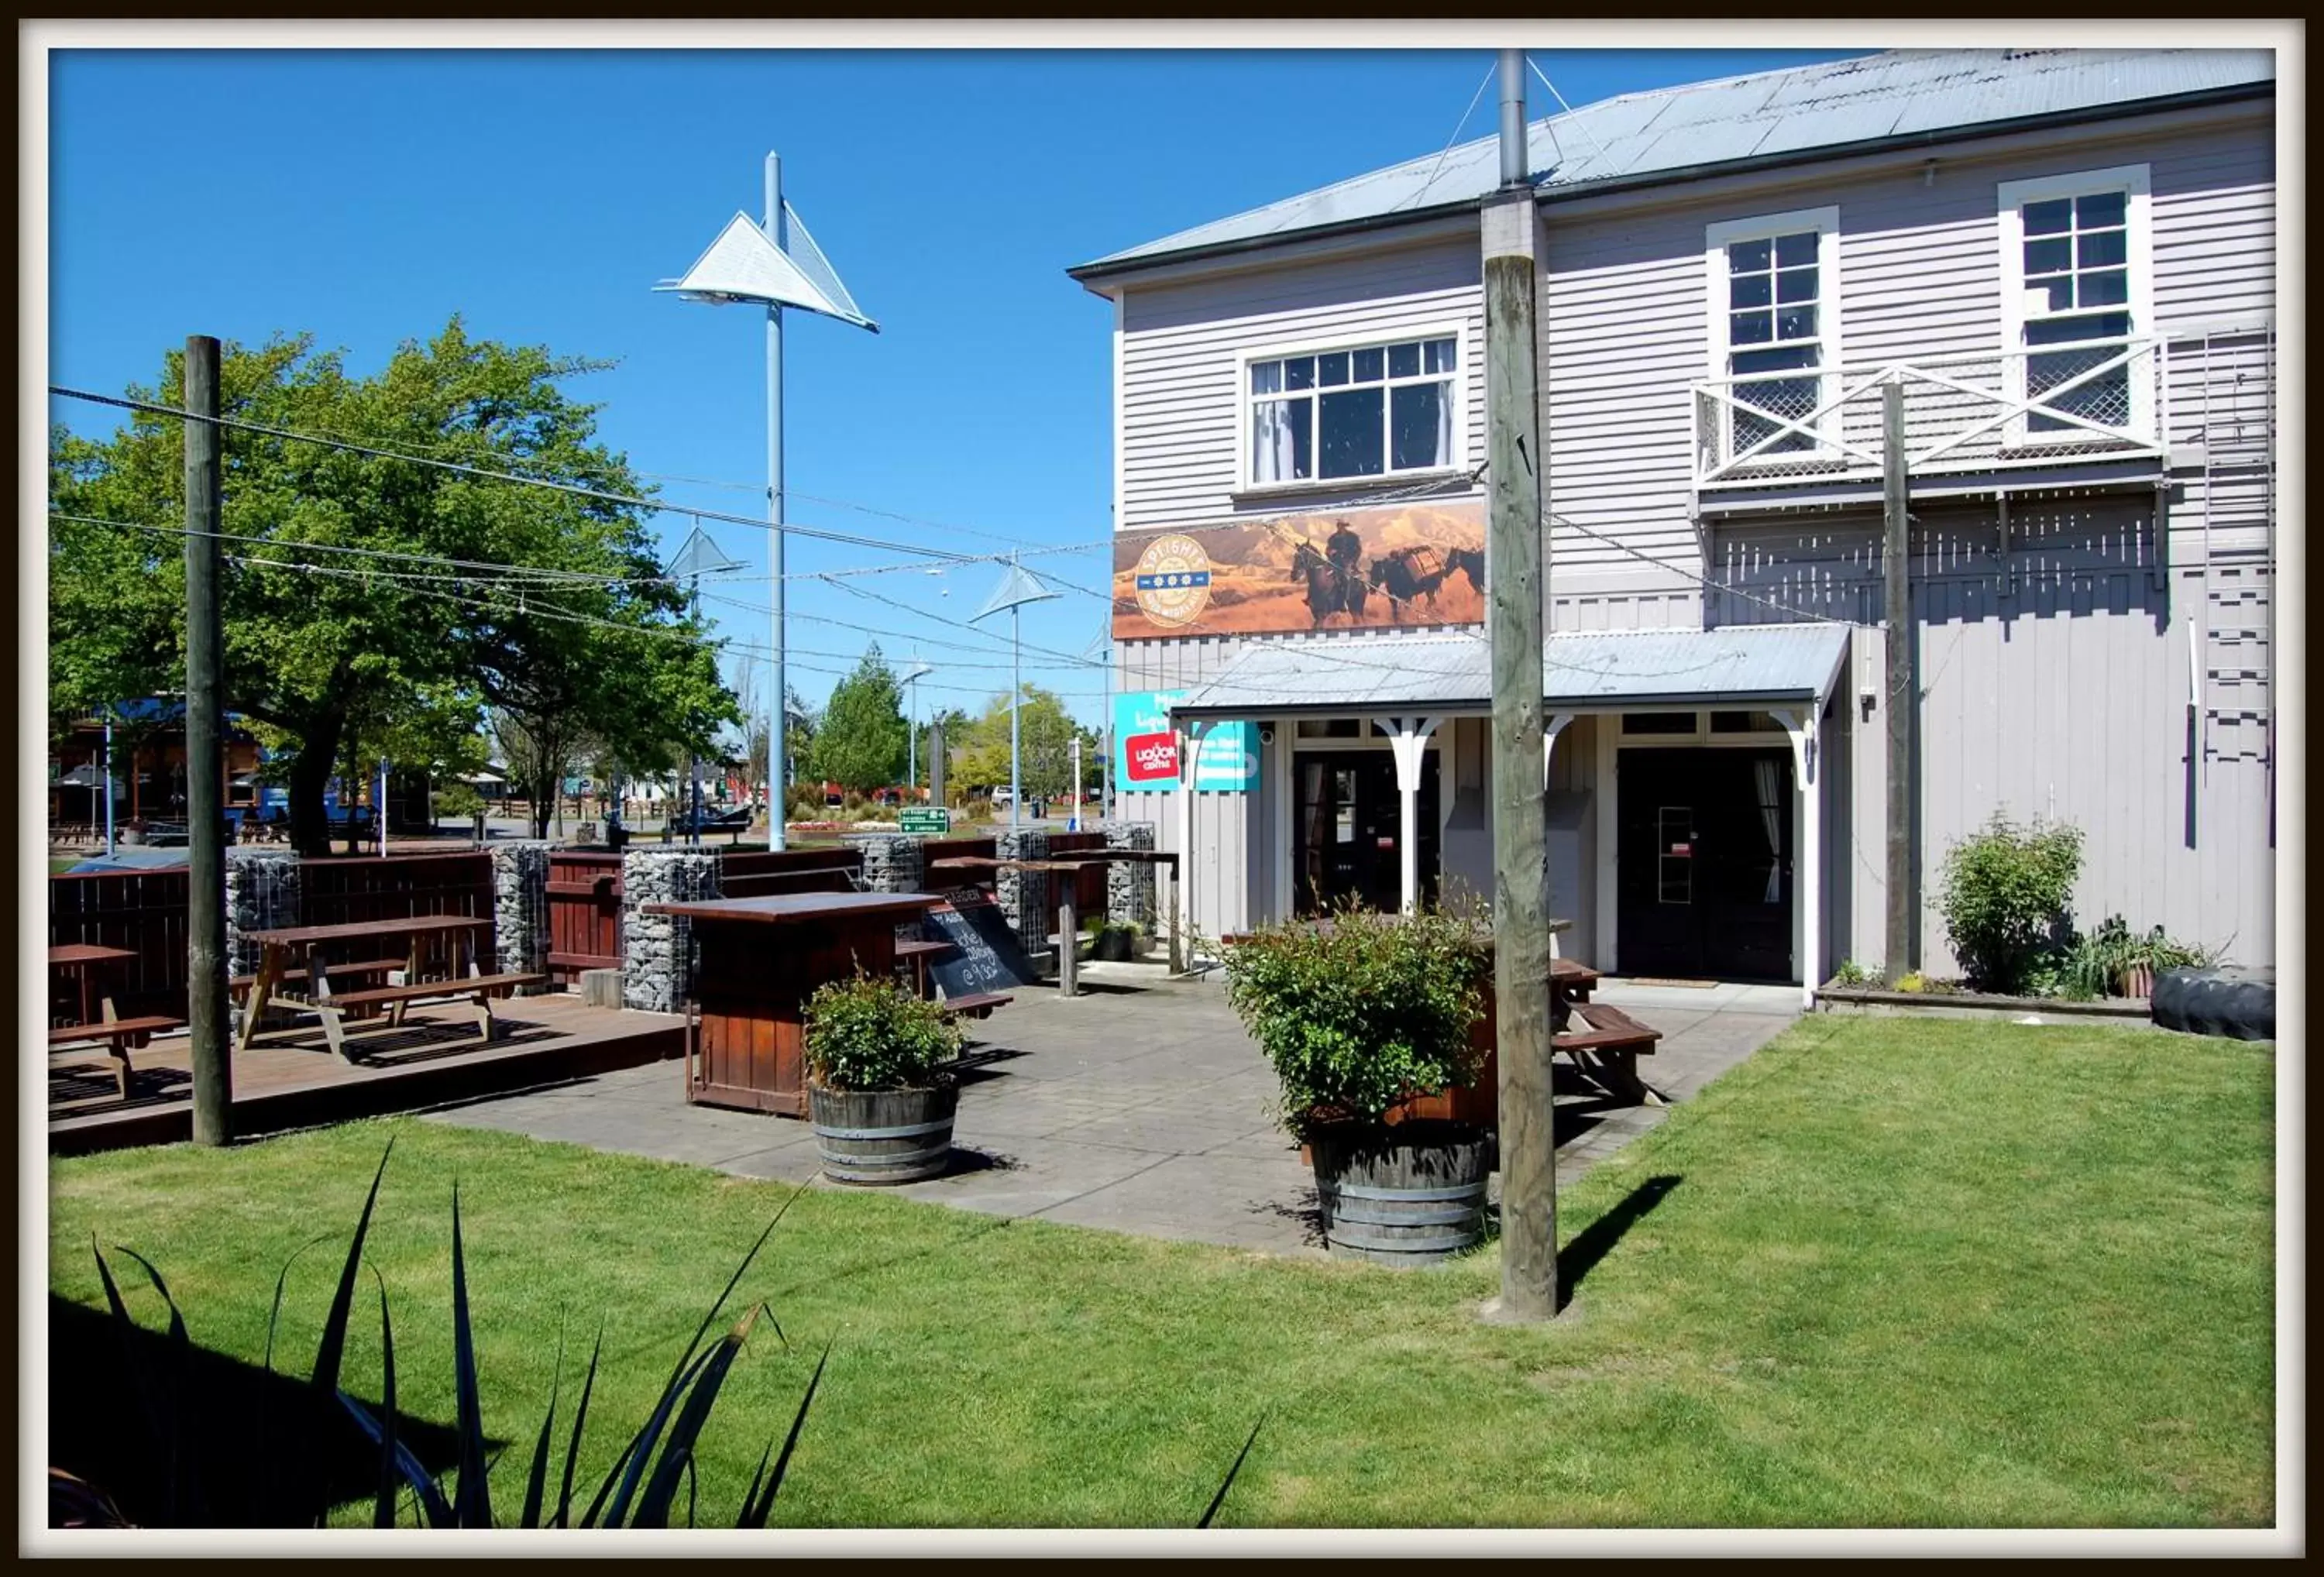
x=743 y=265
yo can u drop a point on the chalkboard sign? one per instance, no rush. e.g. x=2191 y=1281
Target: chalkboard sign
x=985 y=955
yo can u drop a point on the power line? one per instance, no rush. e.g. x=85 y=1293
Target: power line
x=572 y=489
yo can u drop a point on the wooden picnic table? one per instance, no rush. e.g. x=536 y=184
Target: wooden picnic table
x=83 y=962
x=464 y=979
x=761 y=959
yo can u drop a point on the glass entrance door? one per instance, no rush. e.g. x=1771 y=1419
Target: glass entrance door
x=1347 y=821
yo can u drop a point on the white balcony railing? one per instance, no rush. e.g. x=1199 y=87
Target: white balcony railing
x=2100 y=399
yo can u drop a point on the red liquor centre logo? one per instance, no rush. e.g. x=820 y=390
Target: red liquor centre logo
x=1151 y=756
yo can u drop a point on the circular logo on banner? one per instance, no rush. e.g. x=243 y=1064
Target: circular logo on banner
x=1174 y=580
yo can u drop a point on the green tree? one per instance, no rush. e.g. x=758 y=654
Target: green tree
x=861 y=741
x=1046 y=734
x=368 y=652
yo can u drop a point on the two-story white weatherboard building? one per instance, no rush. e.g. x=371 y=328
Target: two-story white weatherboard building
x=2066 y=259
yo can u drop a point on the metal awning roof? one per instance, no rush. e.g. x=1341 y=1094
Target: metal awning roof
x=1673 y=134
x=1582 y=671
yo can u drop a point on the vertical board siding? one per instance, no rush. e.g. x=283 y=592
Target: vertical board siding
x=1181 y=410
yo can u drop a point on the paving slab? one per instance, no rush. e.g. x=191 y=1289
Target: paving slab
x=1142 y=1108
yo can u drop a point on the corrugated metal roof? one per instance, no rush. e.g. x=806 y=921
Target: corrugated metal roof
x=1580 y=668
x=1837 y=103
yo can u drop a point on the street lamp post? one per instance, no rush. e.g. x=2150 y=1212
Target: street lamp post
x=772 y=263
x=1013 y=593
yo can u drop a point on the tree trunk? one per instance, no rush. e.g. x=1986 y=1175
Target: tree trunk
x=310 y=774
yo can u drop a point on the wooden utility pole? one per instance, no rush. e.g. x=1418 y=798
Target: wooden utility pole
x=206 y=971
x=1517 y=561
x=1896 y=565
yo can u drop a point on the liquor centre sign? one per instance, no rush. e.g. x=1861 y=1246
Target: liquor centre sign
x=1146 y=749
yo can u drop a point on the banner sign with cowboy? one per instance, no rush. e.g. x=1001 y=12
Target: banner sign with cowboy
x=1406 y=566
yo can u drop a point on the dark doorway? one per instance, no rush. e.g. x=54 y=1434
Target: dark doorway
x=1704 y=863
x=1347 y=820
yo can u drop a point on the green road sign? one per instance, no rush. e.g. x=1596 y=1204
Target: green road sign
x=933 y=818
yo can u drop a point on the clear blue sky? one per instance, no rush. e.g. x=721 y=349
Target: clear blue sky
x=368 y=195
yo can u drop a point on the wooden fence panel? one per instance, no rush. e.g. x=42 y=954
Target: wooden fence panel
x=143 y=911
x=585 y=913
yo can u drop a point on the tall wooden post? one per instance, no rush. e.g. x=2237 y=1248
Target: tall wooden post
x=1896 y=565
x=206 y=974
x=1517 y=563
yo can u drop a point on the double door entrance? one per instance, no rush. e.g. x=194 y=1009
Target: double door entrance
x=1705 y=862
x=1347 y=826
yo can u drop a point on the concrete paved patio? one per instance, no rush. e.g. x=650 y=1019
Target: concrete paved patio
x=1140 y=1107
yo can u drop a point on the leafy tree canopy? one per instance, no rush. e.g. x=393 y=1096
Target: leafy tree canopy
x=340 y=653
x=861 y=741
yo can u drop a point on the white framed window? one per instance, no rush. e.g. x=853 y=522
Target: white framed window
x=1385 y=408
x=2077 y=298
x=1775 y=330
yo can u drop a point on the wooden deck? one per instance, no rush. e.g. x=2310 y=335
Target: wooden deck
x=291 y=1078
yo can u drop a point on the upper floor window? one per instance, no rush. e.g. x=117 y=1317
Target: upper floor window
x=1775 y=284
x=1368 y=410
x=2076 y=301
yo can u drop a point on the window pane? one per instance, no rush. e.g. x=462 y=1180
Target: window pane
x=1404 y=361
x=1443 y=356
x=2110 y=289
x=1751 y=328
x=1419 y=433
x=1266 y=377
x=1282 y=440
x=1352 y=434
x=2104 y=249
x=1779 y=359
x=1333 y=368
x=1795 y=323
x=1746 y=256
x=2049 y=256
x=2101 y=208
x=2048 y=219
x=2066 y=331
x=1749 y=290
x=1796 y=284
x=1299 y=373
x=1791 y=250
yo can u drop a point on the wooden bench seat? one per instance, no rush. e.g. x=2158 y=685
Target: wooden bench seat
x=477 y=989
x=241 y=985
x=118 y=1035
x=1606 y=1042
x=976 y=1004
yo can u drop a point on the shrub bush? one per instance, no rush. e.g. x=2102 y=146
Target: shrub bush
x=458 y=800
x=1363 y=1013
x=2005 y=895
x=865 y=1034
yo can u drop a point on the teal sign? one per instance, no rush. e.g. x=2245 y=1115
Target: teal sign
x=1146 y=749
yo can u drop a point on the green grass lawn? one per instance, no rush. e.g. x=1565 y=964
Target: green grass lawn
x=1910 y=1273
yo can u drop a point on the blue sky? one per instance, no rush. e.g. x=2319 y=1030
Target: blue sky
x=368 y=195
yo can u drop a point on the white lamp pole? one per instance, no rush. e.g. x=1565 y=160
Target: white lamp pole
x=1013 y=593
x=756 y=262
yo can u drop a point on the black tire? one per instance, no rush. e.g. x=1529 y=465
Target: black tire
x=2236 y=1002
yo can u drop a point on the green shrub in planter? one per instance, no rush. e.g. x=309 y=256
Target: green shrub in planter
x=865 y=1035
x=1364 y=1013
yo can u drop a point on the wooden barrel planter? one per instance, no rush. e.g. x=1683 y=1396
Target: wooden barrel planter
x=1409 y=1195
x=881 y=1136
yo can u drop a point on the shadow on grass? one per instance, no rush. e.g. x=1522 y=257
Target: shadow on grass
x=1595 y=1242
x=258 y=1450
